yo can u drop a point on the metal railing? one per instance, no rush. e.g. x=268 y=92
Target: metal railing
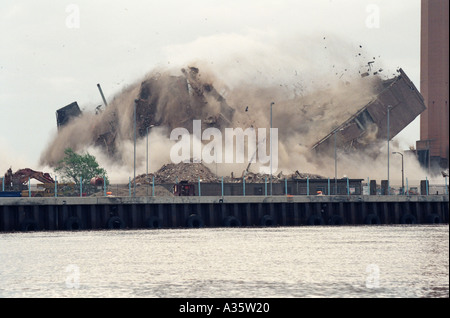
x=242 y=187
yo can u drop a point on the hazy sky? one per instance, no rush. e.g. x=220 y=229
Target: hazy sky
x=55 y=52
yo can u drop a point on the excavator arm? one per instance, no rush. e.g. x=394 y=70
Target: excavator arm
x=23 y=175
x=19 y=178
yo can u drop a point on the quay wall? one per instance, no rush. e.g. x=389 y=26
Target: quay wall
x=97 y=213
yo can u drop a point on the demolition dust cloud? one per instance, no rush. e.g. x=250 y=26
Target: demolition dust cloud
x=312 y=95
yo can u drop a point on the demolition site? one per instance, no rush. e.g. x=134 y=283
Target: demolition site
x=189 y=194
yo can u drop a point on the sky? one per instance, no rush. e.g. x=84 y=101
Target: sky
x=56 y=52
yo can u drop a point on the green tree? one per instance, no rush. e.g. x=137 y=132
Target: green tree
x=73 y=166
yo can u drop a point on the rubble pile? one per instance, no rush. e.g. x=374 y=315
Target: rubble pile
x=251 y=177
x=191 y=172
x=171 y=173
x=298 y=175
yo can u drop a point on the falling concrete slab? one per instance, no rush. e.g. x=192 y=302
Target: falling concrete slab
x=370 y=123
x=66 y=113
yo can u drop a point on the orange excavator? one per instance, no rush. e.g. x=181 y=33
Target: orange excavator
x=18 y=180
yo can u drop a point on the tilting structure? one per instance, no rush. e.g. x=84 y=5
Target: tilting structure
x=66 y=113
x=397 y=102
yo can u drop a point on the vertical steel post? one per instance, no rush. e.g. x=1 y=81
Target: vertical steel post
x=134 y=164
x=446 y=187
x=153 y=186
x=285 y=186
x=265 y=186
x=147 y=157
x=307 y=185
x=270 y=132
x=335 y=165
x=403 y=176
x=406 y=185
x=146 y=160
x=388 y=135
x=29 y=187
x=222 y=186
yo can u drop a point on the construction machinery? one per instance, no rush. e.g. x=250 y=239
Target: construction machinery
x=184 y=188
x=18 y=182
x=97 y=182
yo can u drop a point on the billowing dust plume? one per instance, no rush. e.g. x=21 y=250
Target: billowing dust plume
x=223 y=95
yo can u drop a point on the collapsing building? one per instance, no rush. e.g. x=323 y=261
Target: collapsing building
x=189 y=95
x=173 y=101
x=66 y=113
x=398 y=102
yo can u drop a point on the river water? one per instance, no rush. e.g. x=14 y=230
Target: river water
x=279 y=262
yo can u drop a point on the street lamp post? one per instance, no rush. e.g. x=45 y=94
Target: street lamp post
x=388 y=137
x=151 y=126
x=403 y=174
x=134 y=132
x=270 y=132
x=335 y=165
x=335 y=161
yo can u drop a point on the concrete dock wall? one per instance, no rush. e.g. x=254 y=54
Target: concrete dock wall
x=95 y=213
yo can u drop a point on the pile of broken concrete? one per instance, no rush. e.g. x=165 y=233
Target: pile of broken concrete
x=192 y=172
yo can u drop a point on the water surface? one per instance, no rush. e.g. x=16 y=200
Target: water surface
x=282 y=262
